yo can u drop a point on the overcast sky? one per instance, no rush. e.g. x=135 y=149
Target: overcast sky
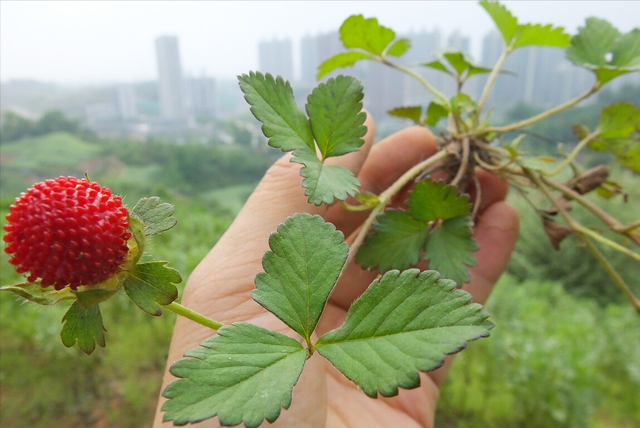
x=81 y=42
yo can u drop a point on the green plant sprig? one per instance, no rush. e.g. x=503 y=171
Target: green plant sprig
x=468 y=142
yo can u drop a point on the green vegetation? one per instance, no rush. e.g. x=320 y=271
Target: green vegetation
x=554 y=360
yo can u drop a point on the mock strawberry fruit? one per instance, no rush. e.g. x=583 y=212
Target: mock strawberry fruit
x=67 y=231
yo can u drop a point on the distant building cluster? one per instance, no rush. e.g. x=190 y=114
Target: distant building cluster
x=179 y=101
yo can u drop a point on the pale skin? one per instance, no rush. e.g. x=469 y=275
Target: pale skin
x=220 y=287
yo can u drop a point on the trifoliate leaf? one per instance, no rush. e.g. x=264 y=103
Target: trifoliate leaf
x=151 y=285
x=336 y=116
x=597 y=40
x=413 y=113
x=324 y=183
x=272 y=103
x=366 y=34
x=84 y=327
x=449 y=249
x=300 y=271
x=618 y=120
x=435 y=112
x=541 y=35
x=157 y=216
x=35 y=292
x=396 y=242
x=399 y=47
x=243 y=375
x=430 y=201
x=403 y=323
x=518 y=35
x=345 y=59
x=507 y=23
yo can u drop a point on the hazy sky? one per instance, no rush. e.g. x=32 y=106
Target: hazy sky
x=93 y=41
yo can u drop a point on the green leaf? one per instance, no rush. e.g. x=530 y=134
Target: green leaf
x=437 y=65
x=541 y=35
x=435 y=112
x=507 y=23
x=273 y=103
x=626 y=51
x=618 y=120
x=156 y=216
x=243 y=375
x=473 y=70
x=336 y=116
x=324 y=183
x=413 y=113
x=300 y=271
x=518 y=35
x=84 y=327
x=403 y=323
x=592 y=43
x=345 y=59
x=449 y=249
x=457 y=61
x=598 y=39
x=366 y=34
x=396 y=242
x=432 y=201
x=626 y=150
x=399 y=47
x=151 y=285
x=538 y=163
x=463 y=103
x=34 y=292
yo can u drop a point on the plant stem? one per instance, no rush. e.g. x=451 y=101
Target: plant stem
x=463 y=162
x=386 y=196
x=544 y=114
x=416 y=76
x=605 y=217
x=592 y=248
x=193 y=315
x=581 y=145
x=490 y=80
x=596 y=236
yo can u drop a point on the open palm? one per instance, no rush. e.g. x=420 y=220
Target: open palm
x=220 y=287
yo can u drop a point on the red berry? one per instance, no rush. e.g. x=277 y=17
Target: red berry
x=67 y=232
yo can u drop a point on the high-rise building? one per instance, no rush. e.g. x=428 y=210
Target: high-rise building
x=171 y=89
x=201 y=95
x=125 y=100
x=276 y=57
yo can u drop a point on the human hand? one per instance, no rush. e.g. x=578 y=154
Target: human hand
x=220 y=287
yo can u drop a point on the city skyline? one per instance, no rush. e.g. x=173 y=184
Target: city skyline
x=222 y=38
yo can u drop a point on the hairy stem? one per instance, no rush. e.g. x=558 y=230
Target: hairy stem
x=419 y=78
x=386 y=196
x=567 y=161
x=490 y=80
x=544 y=114
x=587 y=242
x=193 y=315
x=463 y=162
x=605 y=217
x=596 y=236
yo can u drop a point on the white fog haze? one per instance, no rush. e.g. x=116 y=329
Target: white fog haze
x=98 y=42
